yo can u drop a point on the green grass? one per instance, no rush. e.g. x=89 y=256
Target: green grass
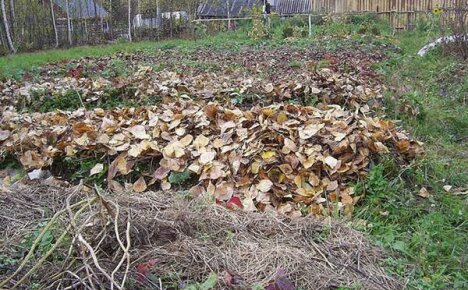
x=429 y=233
x=16 y=65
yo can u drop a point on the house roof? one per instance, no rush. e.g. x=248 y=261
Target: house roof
x=81 y=9
x=220 y=8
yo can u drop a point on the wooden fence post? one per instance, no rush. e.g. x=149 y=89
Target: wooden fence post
x=310 y=25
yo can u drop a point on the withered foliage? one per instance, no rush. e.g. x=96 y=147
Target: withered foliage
x=265 y=154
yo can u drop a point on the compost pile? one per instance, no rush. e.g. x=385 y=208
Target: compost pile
x=276 y=156
x=146 y=241
x=235 y=126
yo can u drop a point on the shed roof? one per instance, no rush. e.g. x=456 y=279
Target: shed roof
x=81 y=9
x=220 y=8
x=288 y=7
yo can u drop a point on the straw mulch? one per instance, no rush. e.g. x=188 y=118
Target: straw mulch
x=166 y=241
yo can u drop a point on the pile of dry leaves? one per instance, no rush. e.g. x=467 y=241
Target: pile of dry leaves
x=245 y=78
x=278 y=156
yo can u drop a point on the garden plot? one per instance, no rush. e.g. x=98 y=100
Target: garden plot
x=286 y=129
x=244 y=78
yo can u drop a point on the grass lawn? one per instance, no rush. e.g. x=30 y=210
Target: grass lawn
x=428 y=97
x=431 y=232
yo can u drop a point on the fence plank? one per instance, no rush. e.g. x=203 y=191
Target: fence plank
x=400 y=13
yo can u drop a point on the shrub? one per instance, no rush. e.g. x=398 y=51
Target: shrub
x=458 y=27
x=362 y=19
x=288 y=31
x=200 y=30
x=259 y=28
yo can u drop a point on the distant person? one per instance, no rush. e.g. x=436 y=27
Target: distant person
x=267 y=7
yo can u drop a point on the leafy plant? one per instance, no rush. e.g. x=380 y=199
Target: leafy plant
x=208 y=284
x=179 y=178
x=259 y=28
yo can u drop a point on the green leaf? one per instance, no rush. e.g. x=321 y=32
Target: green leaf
x=210 y=282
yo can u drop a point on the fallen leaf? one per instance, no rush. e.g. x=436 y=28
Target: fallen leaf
x=310 y=130
x=234 y=202
x=139 y=185
x=424 y=192
x=207 y=157
x=264 y=185
x=4 y=134
x=98 y=168
x=268 y=154
x=139 y=132
x=331 y=161
x=447 y=188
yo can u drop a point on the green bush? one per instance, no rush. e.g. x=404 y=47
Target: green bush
x=363 y=18
x=259 y=28
x=288 y=31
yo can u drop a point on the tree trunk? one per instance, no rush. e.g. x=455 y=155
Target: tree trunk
x=13 y=13
x=7 y=28
x=111 y=18
x=69 y=24
x=54 y=24
x=129 y=20
x=229 y=15
x=170 y=19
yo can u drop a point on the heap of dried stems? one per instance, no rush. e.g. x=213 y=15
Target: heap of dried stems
x=139 y=241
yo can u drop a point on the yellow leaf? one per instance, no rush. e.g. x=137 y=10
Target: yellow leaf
x=268 y=154
x=268 y=112
x=282 y=117
x=255 y=167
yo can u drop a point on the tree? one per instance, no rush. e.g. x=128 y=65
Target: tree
x=53 y=23
x=130 y=20
x=7 y=28
x=69 y=24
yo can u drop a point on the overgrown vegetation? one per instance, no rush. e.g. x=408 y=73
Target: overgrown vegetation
x=429 y=96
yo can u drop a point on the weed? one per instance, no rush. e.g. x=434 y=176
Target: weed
x=179 y=178
x=210 y=283
x=295 y=64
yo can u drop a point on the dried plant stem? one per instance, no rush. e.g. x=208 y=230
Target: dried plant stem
x=126 y=255
x=37 y=242
x=95 y=260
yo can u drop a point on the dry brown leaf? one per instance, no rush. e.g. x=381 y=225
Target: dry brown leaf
x=207 y=157
x=139 y=185
x=4 y=134
x=424 y=192
x=310 y=130
x=264 y=185
x=331 y=161
x=139 y=132
x=98 y=168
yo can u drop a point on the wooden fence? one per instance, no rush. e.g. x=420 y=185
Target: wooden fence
x=400 y=13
